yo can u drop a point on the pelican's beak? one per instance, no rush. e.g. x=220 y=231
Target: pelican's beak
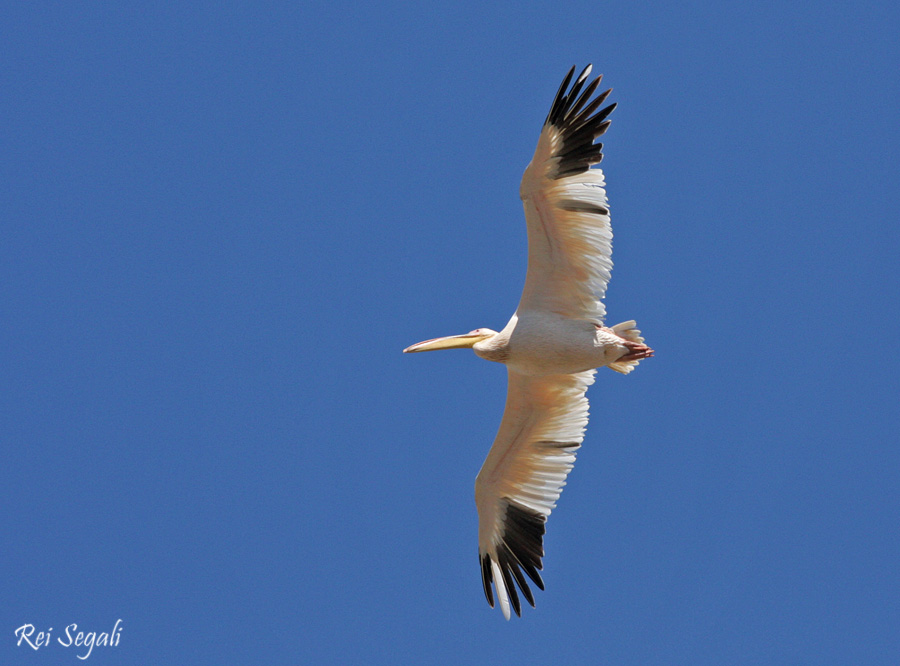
x=450 y=342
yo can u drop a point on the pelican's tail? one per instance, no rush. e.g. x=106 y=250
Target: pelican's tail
x=628 y=331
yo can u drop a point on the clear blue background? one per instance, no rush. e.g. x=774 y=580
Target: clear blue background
x=222 y=223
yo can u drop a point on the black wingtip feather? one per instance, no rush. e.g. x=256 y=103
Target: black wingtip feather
x=579 y=123
x=523 y=584
x=520 y=548
x=558 y=100
x=486 y=578
x=585 y=96
x=568 y=105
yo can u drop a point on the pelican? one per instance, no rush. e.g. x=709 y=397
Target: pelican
x=551 y=346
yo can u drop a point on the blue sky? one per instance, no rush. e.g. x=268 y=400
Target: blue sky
x=222 y=223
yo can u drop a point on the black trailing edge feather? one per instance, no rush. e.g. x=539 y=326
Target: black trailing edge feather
x=520 y=549
x=582 y=207
x=579 y=123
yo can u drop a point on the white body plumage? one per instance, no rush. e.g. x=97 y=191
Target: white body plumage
x=537 y=343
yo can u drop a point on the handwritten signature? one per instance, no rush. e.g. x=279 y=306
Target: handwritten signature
x=80 y=639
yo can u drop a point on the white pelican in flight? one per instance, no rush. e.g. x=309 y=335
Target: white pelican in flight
x=551 y=346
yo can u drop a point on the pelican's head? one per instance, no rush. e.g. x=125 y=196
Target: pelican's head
x=469 y=339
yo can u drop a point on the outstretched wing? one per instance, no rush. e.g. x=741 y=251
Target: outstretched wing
x=525 y=471
x=569 y=236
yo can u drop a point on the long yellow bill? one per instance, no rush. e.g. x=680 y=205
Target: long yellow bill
x=450 y=342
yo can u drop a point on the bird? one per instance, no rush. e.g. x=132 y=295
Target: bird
x=552 y=345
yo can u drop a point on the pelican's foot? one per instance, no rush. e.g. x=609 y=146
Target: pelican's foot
x=636 y=351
